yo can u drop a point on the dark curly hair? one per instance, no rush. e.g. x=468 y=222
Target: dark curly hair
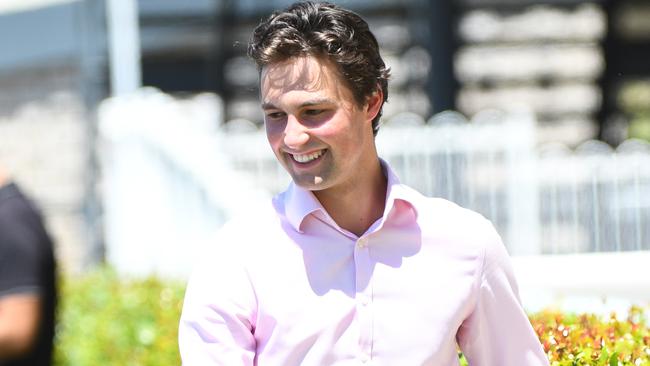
x=322 y=29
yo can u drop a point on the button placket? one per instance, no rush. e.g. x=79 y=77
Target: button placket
x=362 y=243
x=364 y=298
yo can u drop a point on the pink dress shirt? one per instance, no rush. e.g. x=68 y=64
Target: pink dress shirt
x=288 y=286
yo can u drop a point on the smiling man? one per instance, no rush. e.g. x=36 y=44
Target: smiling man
x=324 y=138
x=348 y=265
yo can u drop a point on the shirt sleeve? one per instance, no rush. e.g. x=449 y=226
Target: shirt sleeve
x=21 y=249
x=218 y=317
x=497 y=332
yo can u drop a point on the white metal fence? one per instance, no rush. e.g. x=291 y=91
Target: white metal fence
x=172 y=177
x=547 y=200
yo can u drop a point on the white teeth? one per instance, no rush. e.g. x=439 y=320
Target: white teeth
x=309 y=157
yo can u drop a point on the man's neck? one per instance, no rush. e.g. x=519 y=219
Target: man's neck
x=356 y=207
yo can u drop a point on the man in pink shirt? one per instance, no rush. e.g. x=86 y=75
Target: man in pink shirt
x=348 y=266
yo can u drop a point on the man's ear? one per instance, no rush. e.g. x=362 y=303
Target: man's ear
x=374 y=103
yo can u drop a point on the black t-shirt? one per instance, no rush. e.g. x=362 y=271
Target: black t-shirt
x=27 y=265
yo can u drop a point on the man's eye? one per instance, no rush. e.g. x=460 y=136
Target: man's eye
x=314 y=112
x=275 y=115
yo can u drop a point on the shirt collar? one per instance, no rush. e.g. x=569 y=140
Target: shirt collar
x=396 y=191
x=300 y=202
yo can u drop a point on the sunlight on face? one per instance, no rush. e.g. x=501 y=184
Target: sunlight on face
x=313 y=125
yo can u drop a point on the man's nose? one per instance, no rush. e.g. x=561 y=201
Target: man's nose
x=295 y=133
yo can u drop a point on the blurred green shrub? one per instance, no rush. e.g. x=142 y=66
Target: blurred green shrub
x=105 y=319
x=640 y=126
x=634 y=96
x=634 y=100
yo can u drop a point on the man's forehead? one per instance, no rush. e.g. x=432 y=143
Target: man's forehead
x=309 y=74
x=296 y=73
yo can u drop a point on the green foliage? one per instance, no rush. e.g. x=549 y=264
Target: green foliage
x=640 y=126
x=634 y=100
x=586 y=339
x=634 y=97
x=108 y=320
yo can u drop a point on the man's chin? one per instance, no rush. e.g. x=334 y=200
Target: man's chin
x=309 y=182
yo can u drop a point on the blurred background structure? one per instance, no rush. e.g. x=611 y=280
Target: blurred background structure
x=140 y=181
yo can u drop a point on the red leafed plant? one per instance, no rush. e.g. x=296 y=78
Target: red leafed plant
x=588 y=339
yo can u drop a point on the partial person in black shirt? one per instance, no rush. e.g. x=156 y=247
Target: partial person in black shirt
x=27 y=281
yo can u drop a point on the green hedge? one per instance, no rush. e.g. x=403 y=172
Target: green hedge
x=108 y=320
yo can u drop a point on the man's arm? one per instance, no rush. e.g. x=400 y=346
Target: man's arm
x=218 y=319
x=498 y=332
x=20 y=273
x=19 y=320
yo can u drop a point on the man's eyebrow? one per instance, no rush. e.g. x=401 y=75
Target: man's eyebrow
x=317 y=101
x=308 y=103
x=267 y=105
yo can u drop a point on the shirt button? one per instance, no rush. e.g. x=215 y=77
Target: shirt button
x=365 y=300
x=362 y=243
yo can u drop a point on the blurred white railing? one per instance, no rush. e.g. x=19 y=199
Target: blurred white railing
x=547 y=200
x=167 y=185
x=595 y=199
x=173 y=175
